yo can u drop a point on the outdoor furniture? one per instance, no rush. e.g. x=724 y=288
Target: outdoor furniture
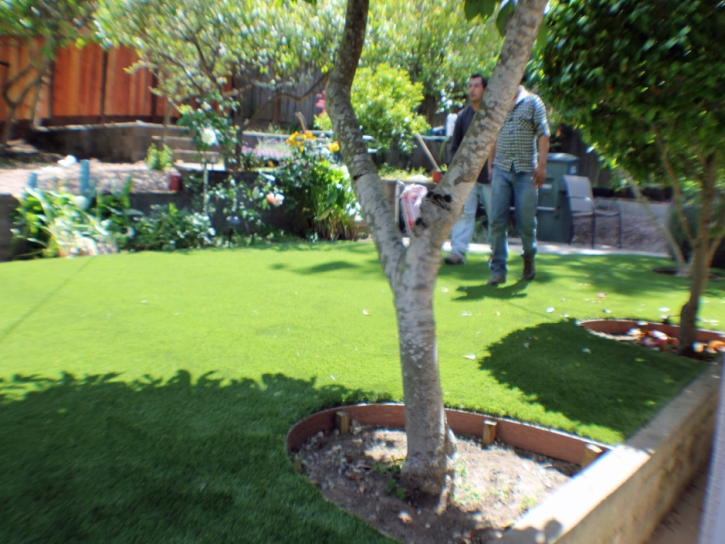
x=581 y=203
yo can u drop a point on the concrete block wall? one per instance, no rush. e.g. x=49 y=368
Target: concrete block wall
x=7 y=205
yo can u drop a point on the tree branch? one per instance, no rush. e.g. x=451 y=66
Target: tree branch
x=679 y=257
x=677 y=189
x=368 y=187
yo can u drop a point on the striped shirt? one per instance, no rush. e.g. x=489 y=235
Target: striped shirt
x=516 y=146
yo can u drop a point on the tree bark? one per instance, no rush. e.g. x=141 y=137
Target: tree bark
x=700 y=264
x=683 y=267
x=412 y=271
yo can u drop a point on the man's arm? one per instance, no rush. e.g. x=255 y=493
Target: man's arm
x=542 y=132
x=540 y=172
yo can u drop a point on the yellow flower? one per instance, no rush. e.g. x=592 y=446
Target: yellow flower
x=302 y=148
x=333 y=147
x=292 y=140
x=310 y=136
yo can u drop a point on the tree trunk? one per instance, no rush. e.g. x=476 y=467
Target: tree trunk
x=412 y=271
x=8 y=127
x=683 y=267
x=700 y=263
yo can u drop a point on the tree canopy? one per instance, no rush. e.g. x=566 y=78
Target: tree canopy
x=630 y=72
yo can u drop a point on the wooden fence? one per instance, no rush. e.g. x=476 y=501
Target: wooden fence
x=84 y=85
x=90 y=85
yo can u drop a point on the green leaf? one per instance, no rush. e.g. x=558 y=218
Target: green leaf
x=487 y=8
x=472 y=8
x=504 y=13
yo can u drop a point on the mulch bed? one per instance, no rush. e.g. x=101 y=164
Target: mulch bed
x=494 y=485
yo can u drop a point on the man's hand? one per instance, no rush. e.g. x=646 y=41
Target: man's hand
x=539 y=175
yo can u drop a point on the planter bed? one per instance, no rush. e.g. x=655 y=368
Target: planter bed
x=621 y=497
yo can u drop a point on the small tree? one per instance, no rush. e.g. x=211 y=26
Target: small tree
x=643 y=81
x=216 y=51
x=411 y=271
x=43 y=27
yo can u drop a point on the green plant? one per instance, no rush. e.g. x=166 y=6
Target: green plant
x=385 y=101
x=57 y=223
x=323 y=192
x=159 y=159
x=168 y=228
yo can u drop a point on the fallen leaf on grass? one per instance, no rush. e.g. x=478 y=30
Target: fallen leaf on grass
x=549 y=309
x=606 y=311
x=471 y=356
x=602 y=295
x=496 y=313
x=365 y=312
x=526 y=345
x=586 y=350
x=466 y=314
x=444 y=289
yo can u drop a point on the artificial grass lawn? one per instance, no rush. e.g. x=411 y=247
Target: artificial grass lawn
x=145 y=397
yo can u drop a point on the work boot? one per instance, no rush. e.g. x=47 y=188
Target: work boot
x=454 y=259
x=529 y=269
x=496 y=279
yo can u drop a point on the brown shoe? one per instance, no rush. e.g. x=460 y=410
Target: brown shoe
x=454 y=259
x=529 y=269
x=496 y=279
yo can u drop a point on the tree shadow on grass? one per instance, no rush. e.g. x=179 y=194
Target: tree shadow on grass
x=98 y=459
x=590 y=380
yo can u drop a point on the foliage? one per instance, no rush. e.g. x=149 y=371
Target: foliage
x=385 y=101
x=159 y=159
x=437 y=46
x=662 y=79
x=690 y=211
x=57 y=223
x=319 y=189
x=168 y=228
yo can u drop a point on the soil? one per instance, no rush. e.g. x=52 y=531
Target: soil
x=493 y=486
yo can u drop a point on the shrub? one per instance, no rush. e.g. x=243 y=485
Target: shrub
x=385 y=101
x=678 y=232
x=61 y=223
x=319 y=189
x=169 y=228
x=159 y=159
x=57 y=223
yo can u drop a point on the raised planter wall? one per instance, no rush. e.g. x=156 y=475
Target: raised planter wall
x=623 y=495
x=558 y=445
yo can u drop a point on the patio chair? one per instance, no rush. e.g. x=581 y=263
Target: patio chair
x=581 y=203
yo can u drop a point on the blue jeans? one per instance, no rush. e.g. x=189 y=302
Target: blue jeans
x=463 y=229
x=525 y=201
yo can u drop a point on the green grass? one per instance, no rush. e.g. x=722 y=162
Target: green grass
x=146 y=397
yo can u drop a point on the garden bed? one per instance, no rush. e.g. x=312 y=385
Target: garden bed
x=649 y=470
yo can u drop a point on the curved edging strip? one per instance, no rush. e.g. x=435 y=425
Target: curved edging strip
x=621 y=326
x=555 y=444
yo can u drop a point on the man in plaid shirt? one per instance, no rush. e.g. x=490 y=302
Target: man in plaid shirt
x=520 y=170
